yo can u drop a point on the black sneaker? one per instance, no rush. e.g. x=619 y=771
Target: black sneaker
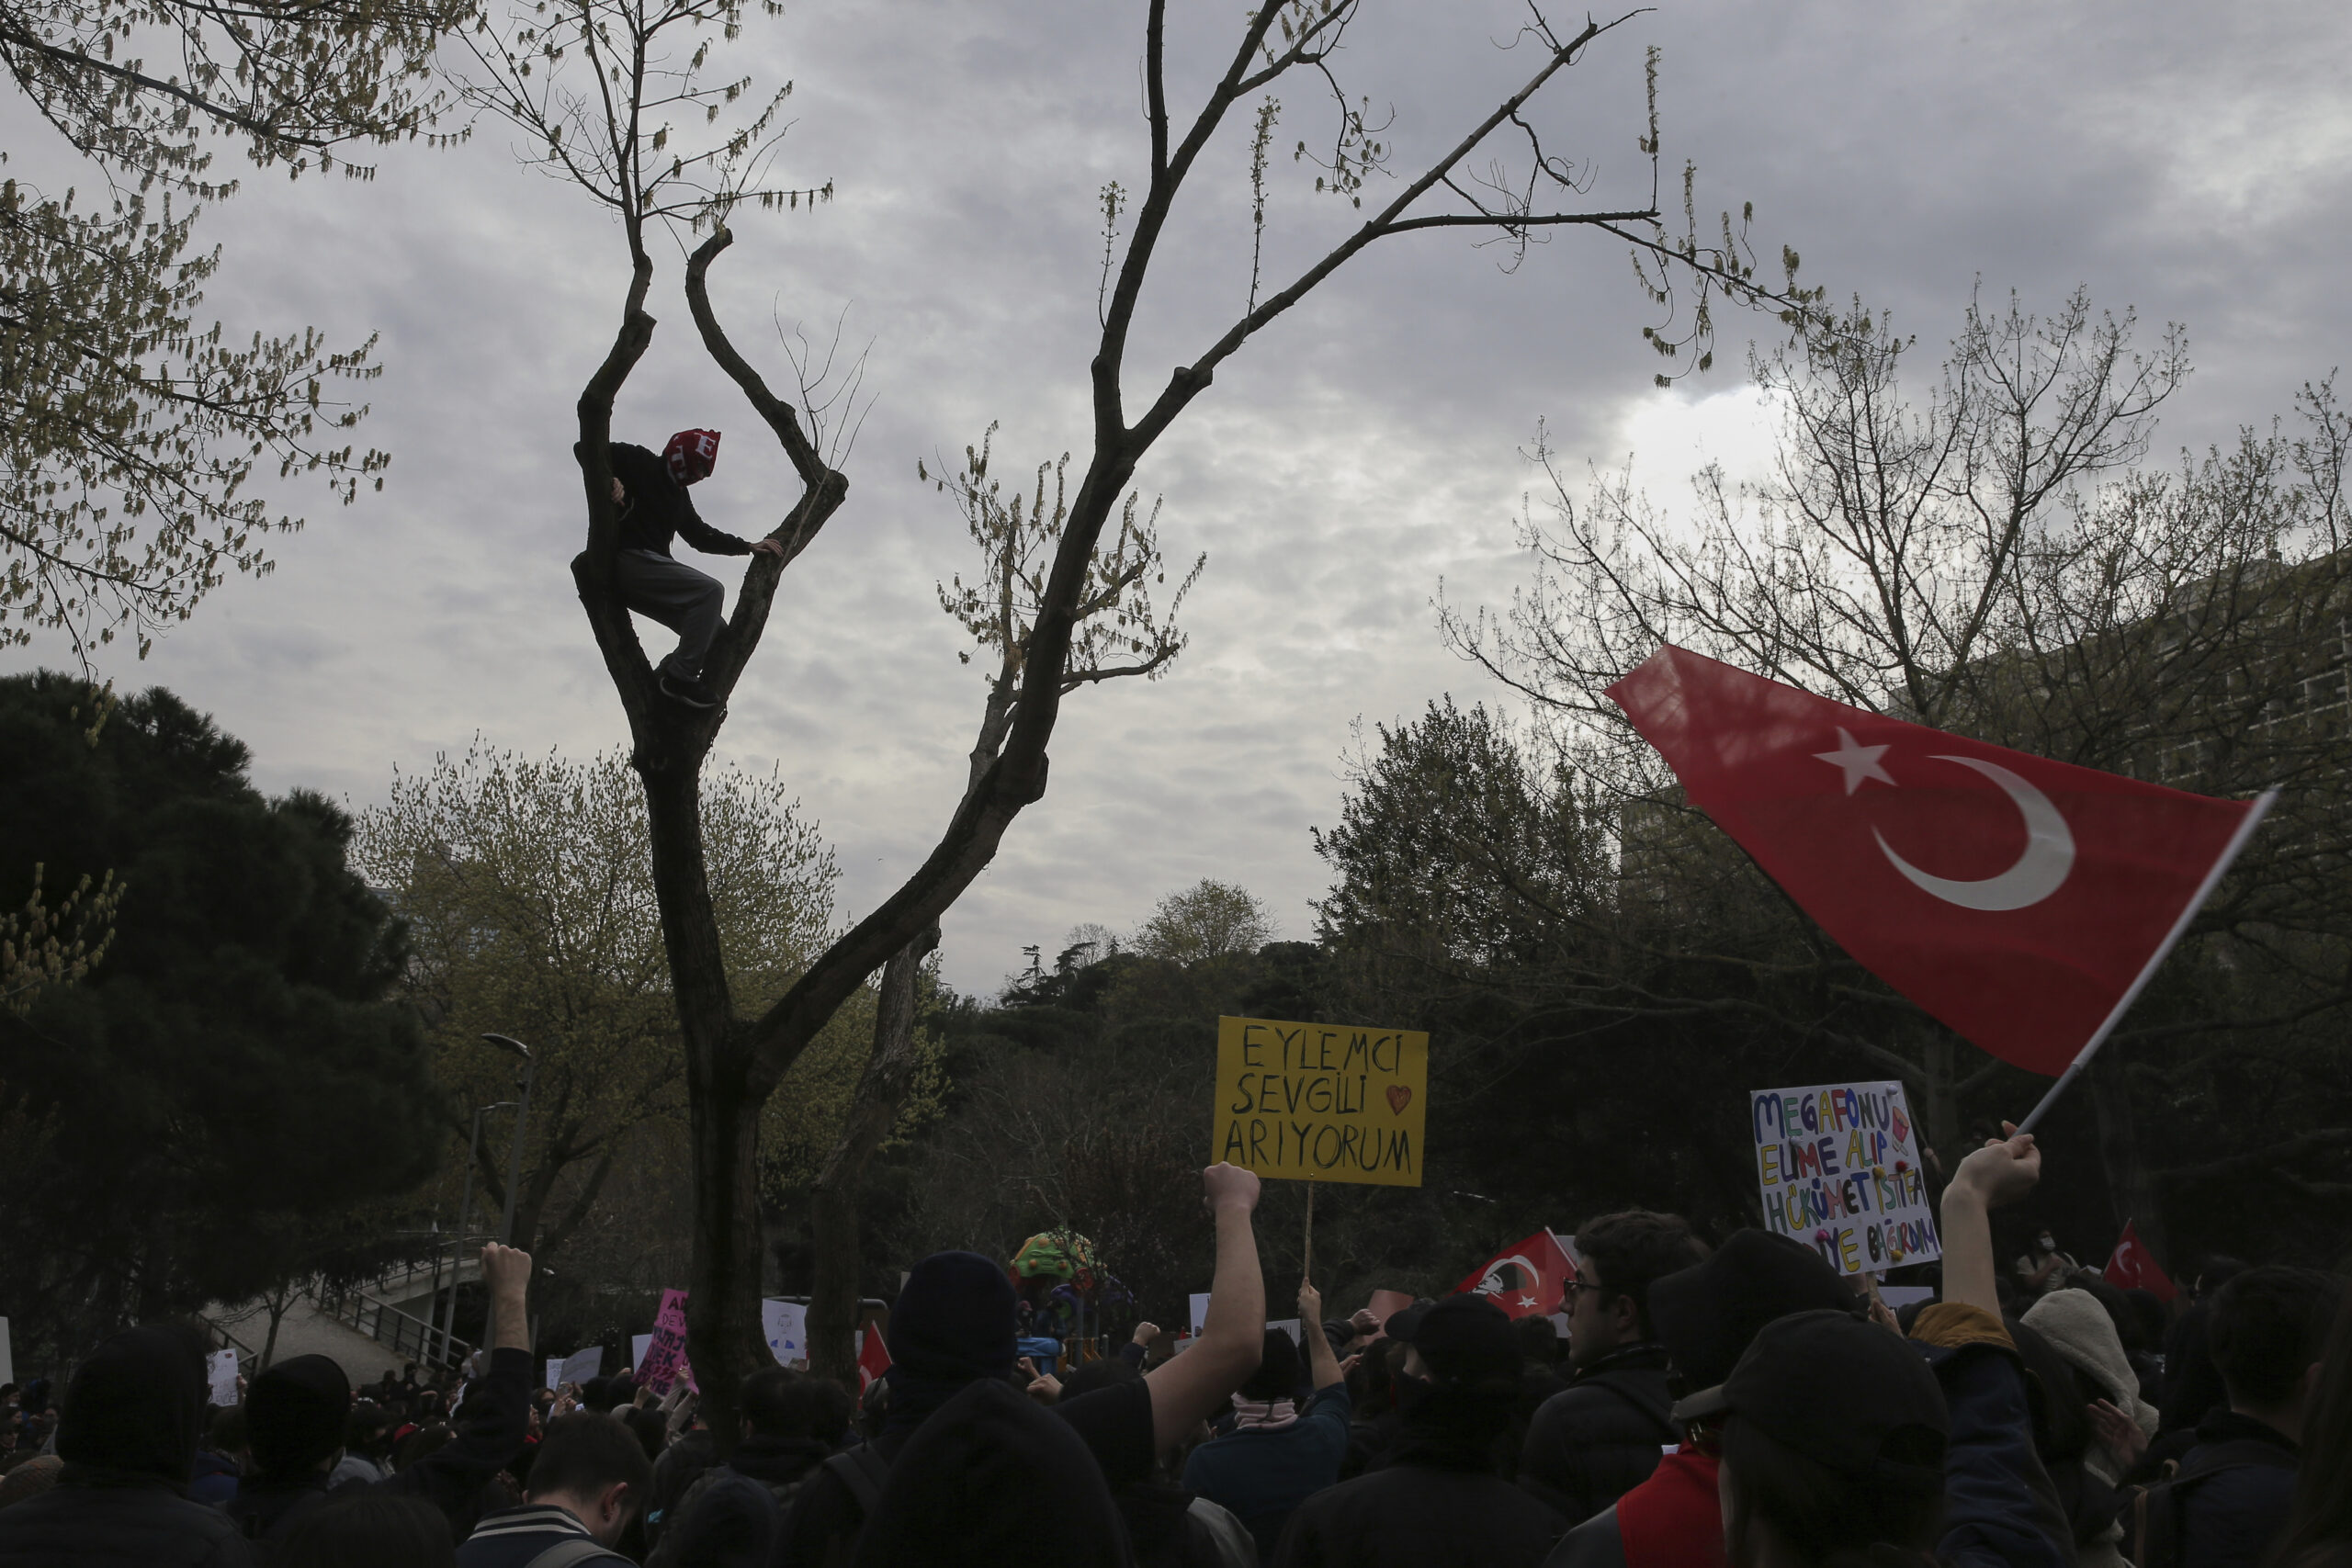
x=693 y=693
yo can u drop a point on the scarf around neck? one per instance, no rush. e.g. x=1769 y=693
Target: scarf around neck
x=1264 y=1415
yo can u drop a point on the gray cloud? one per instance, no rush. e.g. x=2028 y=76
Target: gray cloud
x=2192 y=161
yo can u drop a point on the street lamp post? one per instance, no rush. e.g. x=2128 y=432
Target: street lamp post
x=522 y=1116
x=465 y=1217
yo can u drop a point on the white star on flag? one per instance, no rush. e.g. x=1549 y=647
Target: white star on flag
x=1857 y=762
x=1527 y=1301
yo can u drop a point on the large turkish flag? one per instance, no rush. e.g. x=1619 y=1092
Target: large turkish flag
x=2018 y=900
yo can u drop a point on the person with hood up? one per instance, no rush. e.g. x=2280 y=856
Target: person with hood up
x=1590 y=1444
x=993 y=1479
x=128 y=1443
x=2081 y=1331
x=295 y=1416
x=651 y=494
x=1437 y=1499
x=954 y=1325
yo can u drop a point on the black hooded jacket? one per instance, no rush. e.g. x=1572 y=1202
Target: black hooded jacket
x=732 y=1523
x=992 y=1478
x=1592 y=1443
x=297 y=1412
x=492 y=1425
x=1436 y=1503
x=657 y=507
x=128 y=1436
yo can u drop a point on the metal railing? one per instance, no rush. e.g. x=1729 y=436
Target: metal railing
x=408 y=1336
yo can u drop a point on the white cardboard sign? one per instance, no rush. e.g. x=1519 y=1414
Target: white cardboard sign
x=1838 y=1169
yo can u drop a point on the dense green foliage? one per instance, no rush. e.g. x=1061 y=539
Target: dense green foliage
x=196 y=1118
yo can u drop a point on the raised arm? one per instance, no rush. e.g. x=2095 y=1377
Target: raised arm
x=2000 y=1173
x=491 y=1431
x=1322 y=1367
x=1187 y=1388
x=2000 y=1510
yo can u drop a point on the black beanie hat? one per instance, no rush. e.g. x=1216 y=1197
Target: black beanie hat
x=1707 y=1315
x=295 y=1413
x=137 y=1405
x=953 y=1319
x=1278 y=1375
x=994 y=1478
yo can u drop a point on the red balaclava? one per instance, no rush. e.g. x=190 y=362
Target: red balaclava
x=691 y=454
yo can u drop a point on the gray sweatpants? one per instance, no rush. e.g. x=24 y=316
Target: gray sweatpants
x=687 y=601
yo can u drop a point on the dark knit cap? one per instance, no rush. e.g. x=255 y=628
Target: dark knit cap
x=137 y=1405
x=953 y=1319
x=295 y=1413
x=1707 y=1315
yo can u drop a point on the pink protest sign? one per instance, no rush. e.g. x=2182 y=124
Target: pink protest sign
x=665 y=1358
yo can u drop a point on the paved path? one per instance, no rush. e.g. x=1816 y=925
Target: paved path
x=308 y=1331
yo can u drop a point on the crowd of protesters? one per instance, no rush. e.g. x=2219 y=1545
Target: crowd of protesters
x=1742 y=1405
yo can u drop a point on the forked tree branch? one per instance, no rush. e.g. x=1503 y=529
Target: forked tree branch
x=1017 y=775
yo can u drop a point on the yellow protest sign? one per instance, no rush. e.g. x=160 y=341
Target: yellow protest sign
x=1321 y=1102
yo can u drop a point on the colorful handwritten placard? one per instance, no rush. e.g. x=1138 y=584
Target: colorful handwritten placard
x=1321 y=1102
x=665 y=1358
x=1839 y=1165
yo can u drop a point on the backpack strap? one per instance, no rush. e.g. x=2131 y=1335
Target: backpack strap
x=863 y=1470
x=573 y=1550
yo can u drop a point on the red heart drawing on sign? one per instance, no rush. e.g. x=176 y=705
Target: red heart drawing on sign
x=1399 y=1095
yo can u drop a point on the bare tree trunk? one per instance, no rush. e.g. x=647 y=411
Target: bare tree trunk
x=276 y=1306
x=832 y=1203
x=724 y=1340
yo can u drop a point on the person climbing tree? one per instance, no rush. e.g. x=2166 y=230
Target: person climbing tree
x=651 y=493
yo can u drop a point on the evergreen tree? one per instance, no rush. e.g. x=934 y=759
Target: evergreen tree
x=229 y=1077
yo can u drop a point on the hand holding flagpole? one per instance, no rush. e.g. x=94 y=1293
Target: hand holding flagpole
x=2123 y=1004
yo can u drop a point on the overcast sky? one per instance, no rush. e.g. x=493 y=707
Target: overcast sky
x=2190 y=160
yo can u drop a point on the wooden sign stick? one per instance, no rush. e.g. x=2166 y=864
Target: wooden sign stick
x=1306 y=1264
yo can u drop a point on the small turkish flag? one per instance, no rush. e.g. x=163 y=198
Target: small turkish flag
x=873 y=1356
x=2021 y=901
x=1527 y=1279
x=2132 y=1267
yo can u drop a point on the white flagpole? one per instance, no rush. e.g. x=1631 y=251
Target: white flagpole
x=2262 y=804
